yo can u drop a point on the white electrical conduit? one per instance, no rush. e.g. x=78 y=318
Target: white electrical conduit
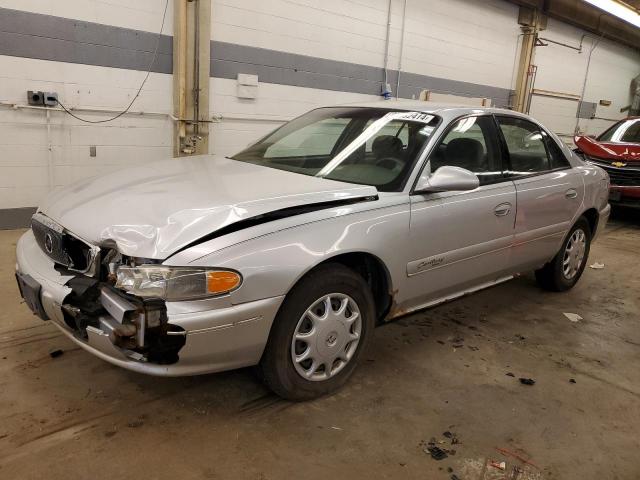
x=18 y=106
x=386 y=49
x=584 y=84
x=404 y=17
x=216 y=118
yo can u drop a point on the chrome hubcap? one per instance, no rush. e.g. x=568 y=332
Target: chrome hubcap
x=326 y=337
x=574 y=254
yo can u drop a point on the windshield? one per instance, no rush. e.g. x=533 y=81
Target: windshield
x=369 y=146
x=627 y=131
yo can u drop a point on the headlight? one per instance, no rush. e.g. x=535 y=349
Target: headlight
x=176 y=283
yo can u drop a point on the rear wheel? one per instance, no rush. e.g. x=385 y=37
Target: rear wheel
x=321 y=330
x=566 y=268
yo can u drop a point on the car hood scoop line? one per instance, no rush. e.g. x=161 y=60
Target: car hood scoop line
x=154 y=210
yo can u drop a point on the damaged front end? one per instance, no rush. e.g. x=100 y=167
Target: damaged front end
x=99 y=313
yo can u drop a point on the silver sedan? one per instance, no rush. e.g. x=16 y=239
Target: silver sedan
x=288 y=254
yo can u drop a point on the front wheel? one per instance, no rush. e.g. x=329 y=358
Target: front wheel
x=321 y=330
x=566 y=268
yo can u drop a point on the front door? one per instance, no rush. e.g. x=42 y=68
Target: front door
x=462 y=240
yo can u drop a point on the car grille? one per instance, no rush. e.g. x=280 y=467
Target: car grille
x=62 y=247
x=620 y=176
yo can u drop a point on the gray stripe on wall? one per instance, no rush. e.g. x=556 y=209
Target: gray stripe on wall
x=45 y=37
x=11 y=218
x=272 y=66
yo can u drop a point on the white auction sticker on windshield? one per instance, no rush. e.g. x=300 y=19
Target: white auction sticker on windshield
x=415 y=116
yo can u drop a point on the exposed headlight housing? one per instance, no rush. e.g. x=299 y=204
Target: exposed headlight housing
x=176 y=283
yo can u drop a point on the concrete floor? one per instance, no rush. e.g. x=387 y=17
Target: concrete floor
x=76 y=417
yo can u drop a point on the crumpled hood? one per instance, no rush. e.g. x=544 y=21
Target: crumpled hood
x=155 y=209
x=608 y=150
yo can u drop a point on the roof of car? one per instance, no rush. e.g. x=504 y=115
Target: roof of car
x=431 y=107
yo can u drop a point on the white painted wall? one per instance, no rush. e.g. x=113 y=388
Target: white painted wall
x=561 y=69
x=466 y=40
x=143 y=15
x=245 y=120
x=27 y=169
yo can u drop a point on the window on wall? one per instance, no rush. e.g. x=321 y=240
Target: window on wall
x=471 y=143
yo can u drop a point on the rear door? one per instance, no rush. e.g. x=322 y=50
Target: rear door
x=549 y=192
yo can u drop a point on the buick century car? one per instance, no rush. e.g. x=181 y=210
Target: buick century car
x=289 y=253
x=617 y=151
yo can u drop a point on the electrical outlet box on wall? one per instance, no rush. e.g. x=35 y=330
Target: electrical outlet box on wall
x=35 y=98
x=247 y=86
x=50 y=99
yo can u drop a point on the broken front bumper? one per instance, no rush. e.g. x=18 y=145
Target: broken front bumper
x=218 y=336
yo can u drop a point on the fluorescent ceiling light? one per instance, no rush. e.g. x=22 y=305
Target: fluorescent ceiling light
x=618 y=10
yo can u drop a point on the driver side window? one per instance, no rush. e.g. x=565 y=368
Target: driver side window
x=471 y=144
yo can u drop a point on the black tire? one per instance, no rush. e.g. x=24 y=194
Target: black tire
x=552 y=276
x=277 y=365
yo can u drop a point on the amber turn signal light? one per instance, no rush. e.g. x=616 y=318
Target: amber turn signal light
x=222 y=281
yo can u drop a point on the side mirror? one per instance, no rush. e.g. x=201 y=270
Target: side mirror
x=448 y=179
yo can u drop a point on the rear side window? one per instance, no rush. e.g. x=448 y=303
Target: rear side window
x=526 y=146
x=556 y=157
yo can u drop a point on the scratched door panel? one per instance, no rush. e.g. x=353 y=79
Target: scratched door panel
x=545 y=214
x=459 y=239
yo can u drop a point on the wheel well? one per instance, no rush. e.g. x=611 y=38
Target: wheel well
x=592 y=217
x=374 y=272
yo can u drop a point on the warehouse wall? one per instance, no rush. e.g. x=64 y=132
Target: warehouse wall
x=562 y=70
x=333 y=51
x=306 y=53
x=36 y=158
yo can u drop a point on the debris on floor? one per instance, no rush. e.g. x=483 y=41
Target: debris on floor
x=56 y=353
x=436 y=453
x=439 y=453
x=573 y=317
x=498 y=465
x=480 y=469
x=135 y=424
x=509 y=453
x=527 y=381
x=509 y=374
x=572 y=380
x=452 y=437
x=597 y=266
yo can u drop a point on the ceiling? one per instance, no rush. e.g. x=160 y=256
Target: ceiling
x=583 y=15
x=635 y=4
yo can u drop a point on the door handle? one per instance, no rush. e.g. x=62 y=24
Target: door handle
x=571 y=193
x=502 y=210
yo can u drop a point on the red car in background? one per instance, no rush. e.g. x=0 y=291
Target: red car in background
x=617 y=151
